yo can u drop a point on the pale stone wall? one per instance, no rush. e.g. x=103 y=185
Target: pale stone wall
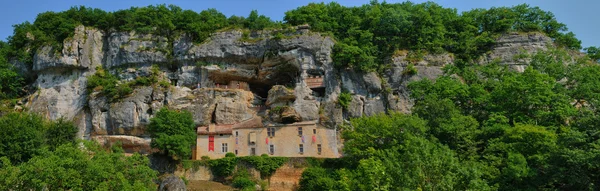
x=198 y=173
x=202 y=146
x=286 y=142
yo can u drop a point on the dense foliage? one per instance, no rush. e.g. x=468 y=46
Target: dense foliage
x=36 y=154
x=10 y=81
x=264 y=164
x=23 y=136
x=73 y=167
x=482 y=127
x=173 y=132
x=368 y=35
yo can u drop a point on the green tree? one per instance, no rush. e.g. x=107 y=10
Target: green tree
x=21 y=136
x=372 y=175
x=593 y=52
x=173 y=132
x=317 y=178
x=10 y=81
x=254 y=21
x=569 y=41
x=531 y=97
x=522 y=156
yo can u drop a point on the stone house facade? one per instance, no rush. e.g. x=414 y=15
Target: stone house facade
x=301 y=139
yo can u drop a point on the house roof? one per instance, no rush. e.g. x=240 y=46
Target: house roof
x=218 y=129
x=302 y=123
x=255 y=122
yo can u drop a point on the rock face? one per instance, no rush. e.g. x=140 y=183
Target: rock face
x=397 y=77
x=62 y=78
x=172 y=183
x=129 y=144
x=510 y=47
x=132 y=48
x=280 y=95
x=285 y=114
x=273 y=72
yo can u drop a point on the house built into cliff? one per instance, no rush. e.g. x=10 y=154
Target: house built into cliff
x=301 y=139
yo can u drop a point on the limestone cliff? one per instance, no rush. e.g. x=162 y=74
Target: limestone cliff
x=232 y=77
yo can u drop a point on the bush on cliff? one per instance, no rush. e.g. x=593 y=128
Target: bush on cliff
x=344 y=99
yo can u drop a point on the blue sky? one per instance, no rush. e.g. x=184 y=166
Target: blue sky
x=581 y=16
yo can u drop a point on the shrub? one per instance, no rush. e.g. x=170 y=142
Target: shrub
x=278 y=109
x=243 y=183
x=317 y=178
x=229 y=154
x=223 y=167
x=264 y=164
x=344 y=99
x=185 y=180
x=104 y=81
x=242 y=180
x=164 y=84
x=410 y=70
x=193 y=164
x=60 y=132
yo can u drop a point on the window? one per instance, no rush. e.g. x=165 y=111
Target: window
x=252 y=151
x=236 y=152
x=299 y=131
x=236 y=133
x=252 y=137
x=271 y=149
x=319 y=148
x=224 y=147
x=314 y=131
x=271 y=132
x=301 y=148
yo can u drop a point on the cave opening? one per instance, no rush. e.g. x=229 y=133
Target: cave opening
x=288 y=120
x=260 y=89
x=286 y=74
x=318 y=92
